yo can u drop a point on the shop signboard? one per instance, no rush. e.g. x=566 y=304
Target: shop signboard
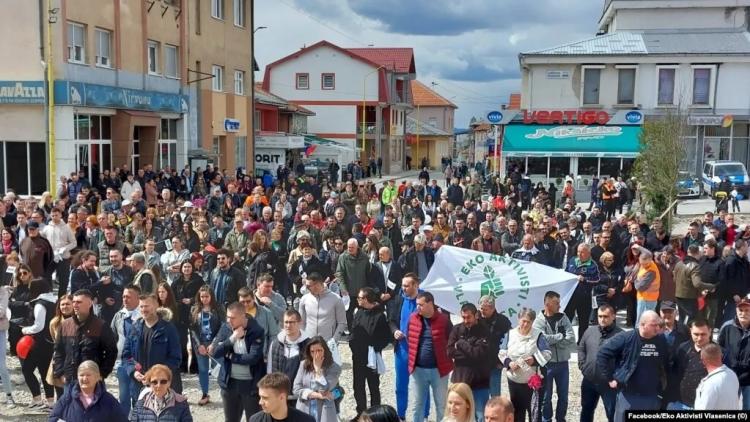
x=269 y=159
x=710 y=120
x=573 y=139
x=566 y=117
x=22 y=92
x=285 y=142
x=231 y=125
x=494 y=117
x=92 y=95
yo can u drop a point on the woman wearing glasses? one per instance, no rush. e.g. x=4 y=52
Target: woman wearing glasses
x=88 y=400
x=160 y=401
x=19 y=305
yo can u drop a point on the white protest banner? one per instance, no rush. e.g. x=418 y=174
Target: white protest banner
x=461 y=276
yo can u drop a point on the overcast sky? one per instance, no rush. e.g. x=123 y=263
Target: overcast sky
x=468 y=47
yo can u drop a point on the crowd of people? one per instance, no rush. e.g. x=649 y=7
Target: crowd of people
x=147 y=276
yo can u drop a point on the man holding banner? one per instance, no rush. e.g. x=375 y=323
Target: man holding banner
x=588 y=275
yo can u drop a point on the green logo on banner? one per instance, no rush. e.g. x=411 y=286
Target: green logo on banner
x=492 y=285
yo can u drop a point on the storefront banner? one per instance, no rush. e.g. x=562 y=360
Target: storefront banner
x=572 y=139
x=269 y=159
x=22 y=92
x=461 y=276
x=91 y=95
x=286 y=142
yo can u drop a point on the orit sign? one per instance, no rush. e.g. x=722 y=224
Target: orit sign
x=566 y=117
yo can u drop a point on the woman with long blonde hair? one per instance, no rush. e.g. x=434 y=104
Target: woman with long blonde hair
x=459 y=404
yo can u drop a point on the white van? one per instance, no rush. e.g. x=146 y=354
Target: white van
x=715 y=171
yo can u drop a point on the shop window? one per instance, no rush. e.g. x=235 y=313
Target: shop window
x=559 y=167
x=591 y=79
x=24 y=175
x=626 y=86
x=537 y=166
x=627 y=167
x=167 y=154
x=588 y=169
x=240 y=149
x=168 y=129
x=690 y=162
x=666 y=86
x=610 y=167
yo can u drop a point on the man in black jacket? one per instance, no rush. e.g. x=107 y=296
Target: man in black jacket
x=273 y=390
x=83 y=337
x=392 y=274
x=736 y=281
x=468 y=346
x=734 y=339
x=593 y=384
x=498 y=326
x=687 y=370
x=225 y=280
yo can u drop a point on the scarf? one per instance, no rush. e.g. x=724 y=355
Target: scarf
x=7 y=247
x=157 y=405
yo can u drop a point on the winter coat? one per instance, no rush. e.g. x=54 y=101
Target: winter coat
x=306 y=383
x=408 y=261
x=223 y=351
x=178 y=411
x=352 y=271
x=235 y=281
x=735 y=342
x=104 y=407
x=687 y=278
x=369 y=329
x=478 y=245
x=78 y=342
x=588 y=348
x=737 y=280
x=559 y=335
x=440 y=328
x=472 y=358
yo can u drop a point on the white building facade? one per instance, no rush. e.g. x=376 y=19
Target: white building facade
x=652 y=57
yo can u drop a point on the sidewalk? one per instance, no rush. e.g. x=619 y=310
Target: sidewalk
x=404 y=175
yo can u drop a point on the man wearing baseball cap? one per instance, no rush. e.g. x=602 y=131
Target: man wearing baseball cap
x=734 y=339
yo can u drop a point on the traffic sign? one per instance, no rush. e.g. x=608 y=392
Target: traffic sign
x=494 y=117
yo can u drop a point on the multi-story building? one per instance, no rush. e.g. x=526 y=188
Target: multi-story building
x=429 y=125
x=127 y=86
x=650 y=57
x=341 y=86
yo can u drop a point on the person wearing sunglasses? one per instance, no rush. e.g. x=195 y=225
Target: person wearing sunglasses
x=88 y=399
x=160 y=401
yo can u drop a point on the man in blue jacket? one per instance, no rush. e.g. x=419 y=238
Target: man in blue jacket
x=239 y=349
x=634 y=363
x=153 y=340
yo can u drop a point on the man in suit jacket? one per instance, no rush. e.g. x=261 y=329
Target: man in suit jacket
x=392 y=274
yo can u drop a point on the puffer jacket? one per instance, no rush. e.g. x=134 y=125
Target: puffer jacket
x=440 y=328
x=165 y=346
x=104 y=407
x=472 y=359
x=735 y=342
x=559 y=335
x=82 y=341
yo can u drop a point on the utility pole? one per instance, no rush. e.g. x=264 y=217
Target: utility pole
x=51 y=19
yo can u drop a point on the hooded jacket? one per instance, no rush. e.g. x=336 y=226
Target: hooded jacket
x=322 y=315
x=735 y=342
x=558 y=331
x=285 y=355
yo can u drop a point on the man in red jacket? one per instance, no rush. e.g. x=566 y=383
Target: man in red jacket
x=429 y=364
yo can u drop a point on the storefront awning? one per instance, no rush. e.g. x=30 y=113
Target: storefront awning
x=571 y=141
x=322 y=142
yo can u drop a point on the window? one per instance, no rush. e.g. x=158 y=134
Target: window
x=328 y=81
x=702 y=86
x=240 y=148
x=303 y=81
x=666 y=86
x=626 y=86
x=239 y=13
x=432 y=121
x=239 y=82
x=218 y=79
x=591 y=77
x=76 y=43
x=558 y=74
x=170 y=61
x=153 y=57
x=103 y=48
x=217 y=9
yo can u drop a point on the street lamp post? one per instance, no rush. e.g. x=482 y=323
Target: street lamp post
x=364 y=105
x=251 y=135
x=51 y=19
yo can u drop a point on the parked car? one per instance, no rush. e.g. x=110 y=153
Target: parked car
x=688 y=186
x=316 y=167
x=715 y=171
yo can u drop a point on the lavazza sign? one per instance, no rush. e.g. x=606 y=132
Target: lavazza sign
x=566 y=117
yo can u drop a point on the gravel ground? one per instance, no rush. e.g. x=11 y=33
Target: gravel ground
x=213 y=411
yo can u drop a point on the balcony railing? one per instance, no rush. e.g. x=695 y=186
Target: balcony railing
x=371 y=128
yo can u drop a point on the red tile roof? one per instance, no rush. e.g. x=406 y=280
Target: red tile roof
x=400 y=60
x=424 y=96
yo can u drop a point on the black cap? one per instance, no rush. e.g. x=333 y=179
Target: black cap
x=668 y=305
x=33 y=225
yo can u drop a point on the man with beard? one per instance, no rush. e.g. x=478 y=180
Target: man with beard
x=657 y=238
x=393 y=232
x=566 y=247
x=511 y=239
x=459 y=238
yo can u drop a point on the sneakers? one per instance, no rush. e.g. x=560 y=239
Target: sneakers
x=204 y=400
x=40 y=406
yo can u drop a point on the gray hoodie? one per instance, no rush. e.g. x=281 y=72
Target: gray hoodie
x=323 y=315
x=558 y=331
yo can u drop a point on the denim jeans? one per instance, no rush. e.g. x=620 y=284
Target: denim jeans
x=745 y=397
x=420 y=383
x=627 y=401
x=590 y=394
x=204 y=367
x=4 y=375
x=559 y=373
x=496 y=382
x=129 y=389
x=643 y=305
x=481 y=397
x=401 y=366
